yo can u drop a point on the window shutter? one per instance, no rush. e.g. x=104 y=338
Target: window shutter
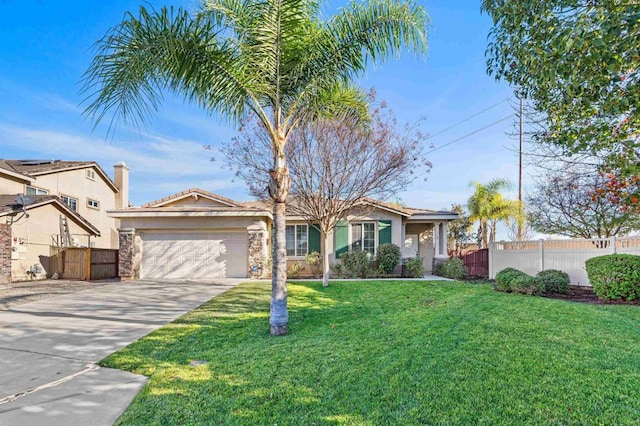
x=314 y=238
x=384 y=232
x=341 y=238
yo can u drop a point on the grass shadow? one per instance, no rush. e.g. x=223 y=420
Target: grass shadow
x=389 y=353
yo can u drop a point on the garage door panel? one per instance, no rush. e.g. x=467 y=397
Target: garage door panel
x=190 y=255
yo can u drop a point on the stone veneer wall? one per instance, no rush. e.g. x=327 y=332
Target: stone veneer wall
x=258 y=256
x=5 y=253
x=128 y=254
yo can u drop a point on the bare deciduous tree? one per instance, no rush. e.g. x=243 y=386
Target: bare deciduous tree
x=335 y=166
x=576 y=204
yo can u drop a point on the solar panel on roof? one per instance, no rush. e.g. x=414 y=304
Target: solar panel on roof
x=36 y=162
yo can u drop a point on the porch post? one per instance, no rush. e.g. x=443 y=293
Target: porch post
x=445 y=236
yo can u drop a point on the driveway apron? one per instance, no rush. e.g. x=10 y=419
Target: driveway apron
x=48 y=349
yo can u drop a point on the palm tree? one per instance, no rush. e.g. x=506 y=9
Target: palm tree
x=487 y=206
x=273 y=59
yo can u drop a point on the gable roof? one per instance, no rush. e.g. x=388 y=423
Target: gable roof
x=392 y=207
x=411 y=213
x=425 y=214
x=10 y=205
x=197 y=192
x=34 y=168
x=8 y=170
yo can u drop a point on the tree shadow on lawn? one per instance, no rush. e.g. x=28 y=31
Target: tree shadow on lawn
x=378 y=353
x=251 y=375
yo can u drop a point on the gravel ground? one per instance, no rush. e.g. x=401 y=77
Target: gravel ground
x=29 y=291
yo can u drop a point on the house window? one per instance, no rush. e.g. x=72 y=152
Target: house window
x=297 y=237
x=91 y=174
x=94 y=204
x=71 y=202
x=32 y=190
x=363 y=237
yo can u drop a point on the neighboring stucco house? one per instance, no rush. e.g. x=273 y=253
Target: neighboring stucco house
x=199 y=235
x=37 y=197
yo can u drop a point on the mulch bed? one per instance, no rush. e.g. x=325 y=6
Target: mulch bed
x=586 y=295
x=575 y=294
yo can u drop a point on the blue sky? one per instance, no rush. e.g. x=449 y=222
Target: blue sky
x=45 y=47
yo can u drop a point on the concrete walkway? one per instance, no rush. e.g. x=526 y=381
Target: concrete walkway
x=48 y=349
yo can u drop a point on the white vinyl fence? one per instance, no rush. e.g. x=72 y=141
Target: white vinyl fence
x=566 y=255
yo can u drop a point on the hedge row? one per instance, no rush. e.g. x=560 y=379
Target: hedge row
x=615 y=276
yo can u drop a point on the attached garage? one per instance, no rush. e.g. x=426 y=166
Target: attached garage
x=193 y=255
x=192 y=236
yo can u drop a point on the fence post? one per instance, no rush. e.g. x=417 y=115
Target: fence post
x=491 y=260
x=541 y=254
x=612 y=241
x=88 y=264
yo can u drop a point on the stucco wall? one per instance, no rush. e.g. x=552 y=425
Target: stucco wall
x=9 y=186
x=32 y=238
x=425 y=243
x=186 y=222
x=192 y=201
x=74 y=183
x=373 y=216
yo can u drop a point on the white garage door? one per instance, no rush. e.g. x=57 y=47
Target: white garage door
x=193 y=255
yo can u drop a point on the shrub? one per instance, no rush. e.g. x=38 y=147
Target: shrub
x=615 y=276
x=414 y=267
x=526 y=284
x=335 y=270
x=554 y=281
x=453 y=268
x=388 y=257
x=504 y=279
x=352 y=264
x=293 y=271
x=437 y=269
x=313 y=260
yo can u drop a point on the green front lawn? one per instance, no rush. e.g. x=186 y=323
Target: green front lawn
x=377 y=353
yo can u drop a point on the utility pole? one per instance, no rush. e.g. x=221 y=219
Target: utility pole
x=520 y=219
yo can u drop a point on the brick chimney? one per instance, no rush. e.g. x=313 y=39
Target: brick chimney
x=122 y=183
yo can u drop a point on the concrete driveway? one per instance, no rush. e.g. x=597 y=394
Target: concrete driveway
x=48 y=349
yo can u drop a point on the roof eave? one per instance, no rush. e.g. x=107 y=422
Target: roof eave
x=63 y=207
x=389 y=209
x=17 y=176
x=131 y=213
x=433 y=216
x=101 y=172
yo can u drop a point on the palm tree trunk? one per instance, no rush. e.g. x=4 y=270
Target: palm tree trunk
x=279 y=317
x=279 y=191
x=485 y=236
x=325 y=260
x=492 y=235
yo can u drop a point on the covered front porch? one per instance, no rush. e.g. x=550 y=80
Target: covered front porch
x=426 y=240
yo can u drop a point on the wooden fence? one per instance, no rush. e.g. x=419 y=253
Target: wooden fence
x=85 y=264
x=566 y=255
x=477 y=262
